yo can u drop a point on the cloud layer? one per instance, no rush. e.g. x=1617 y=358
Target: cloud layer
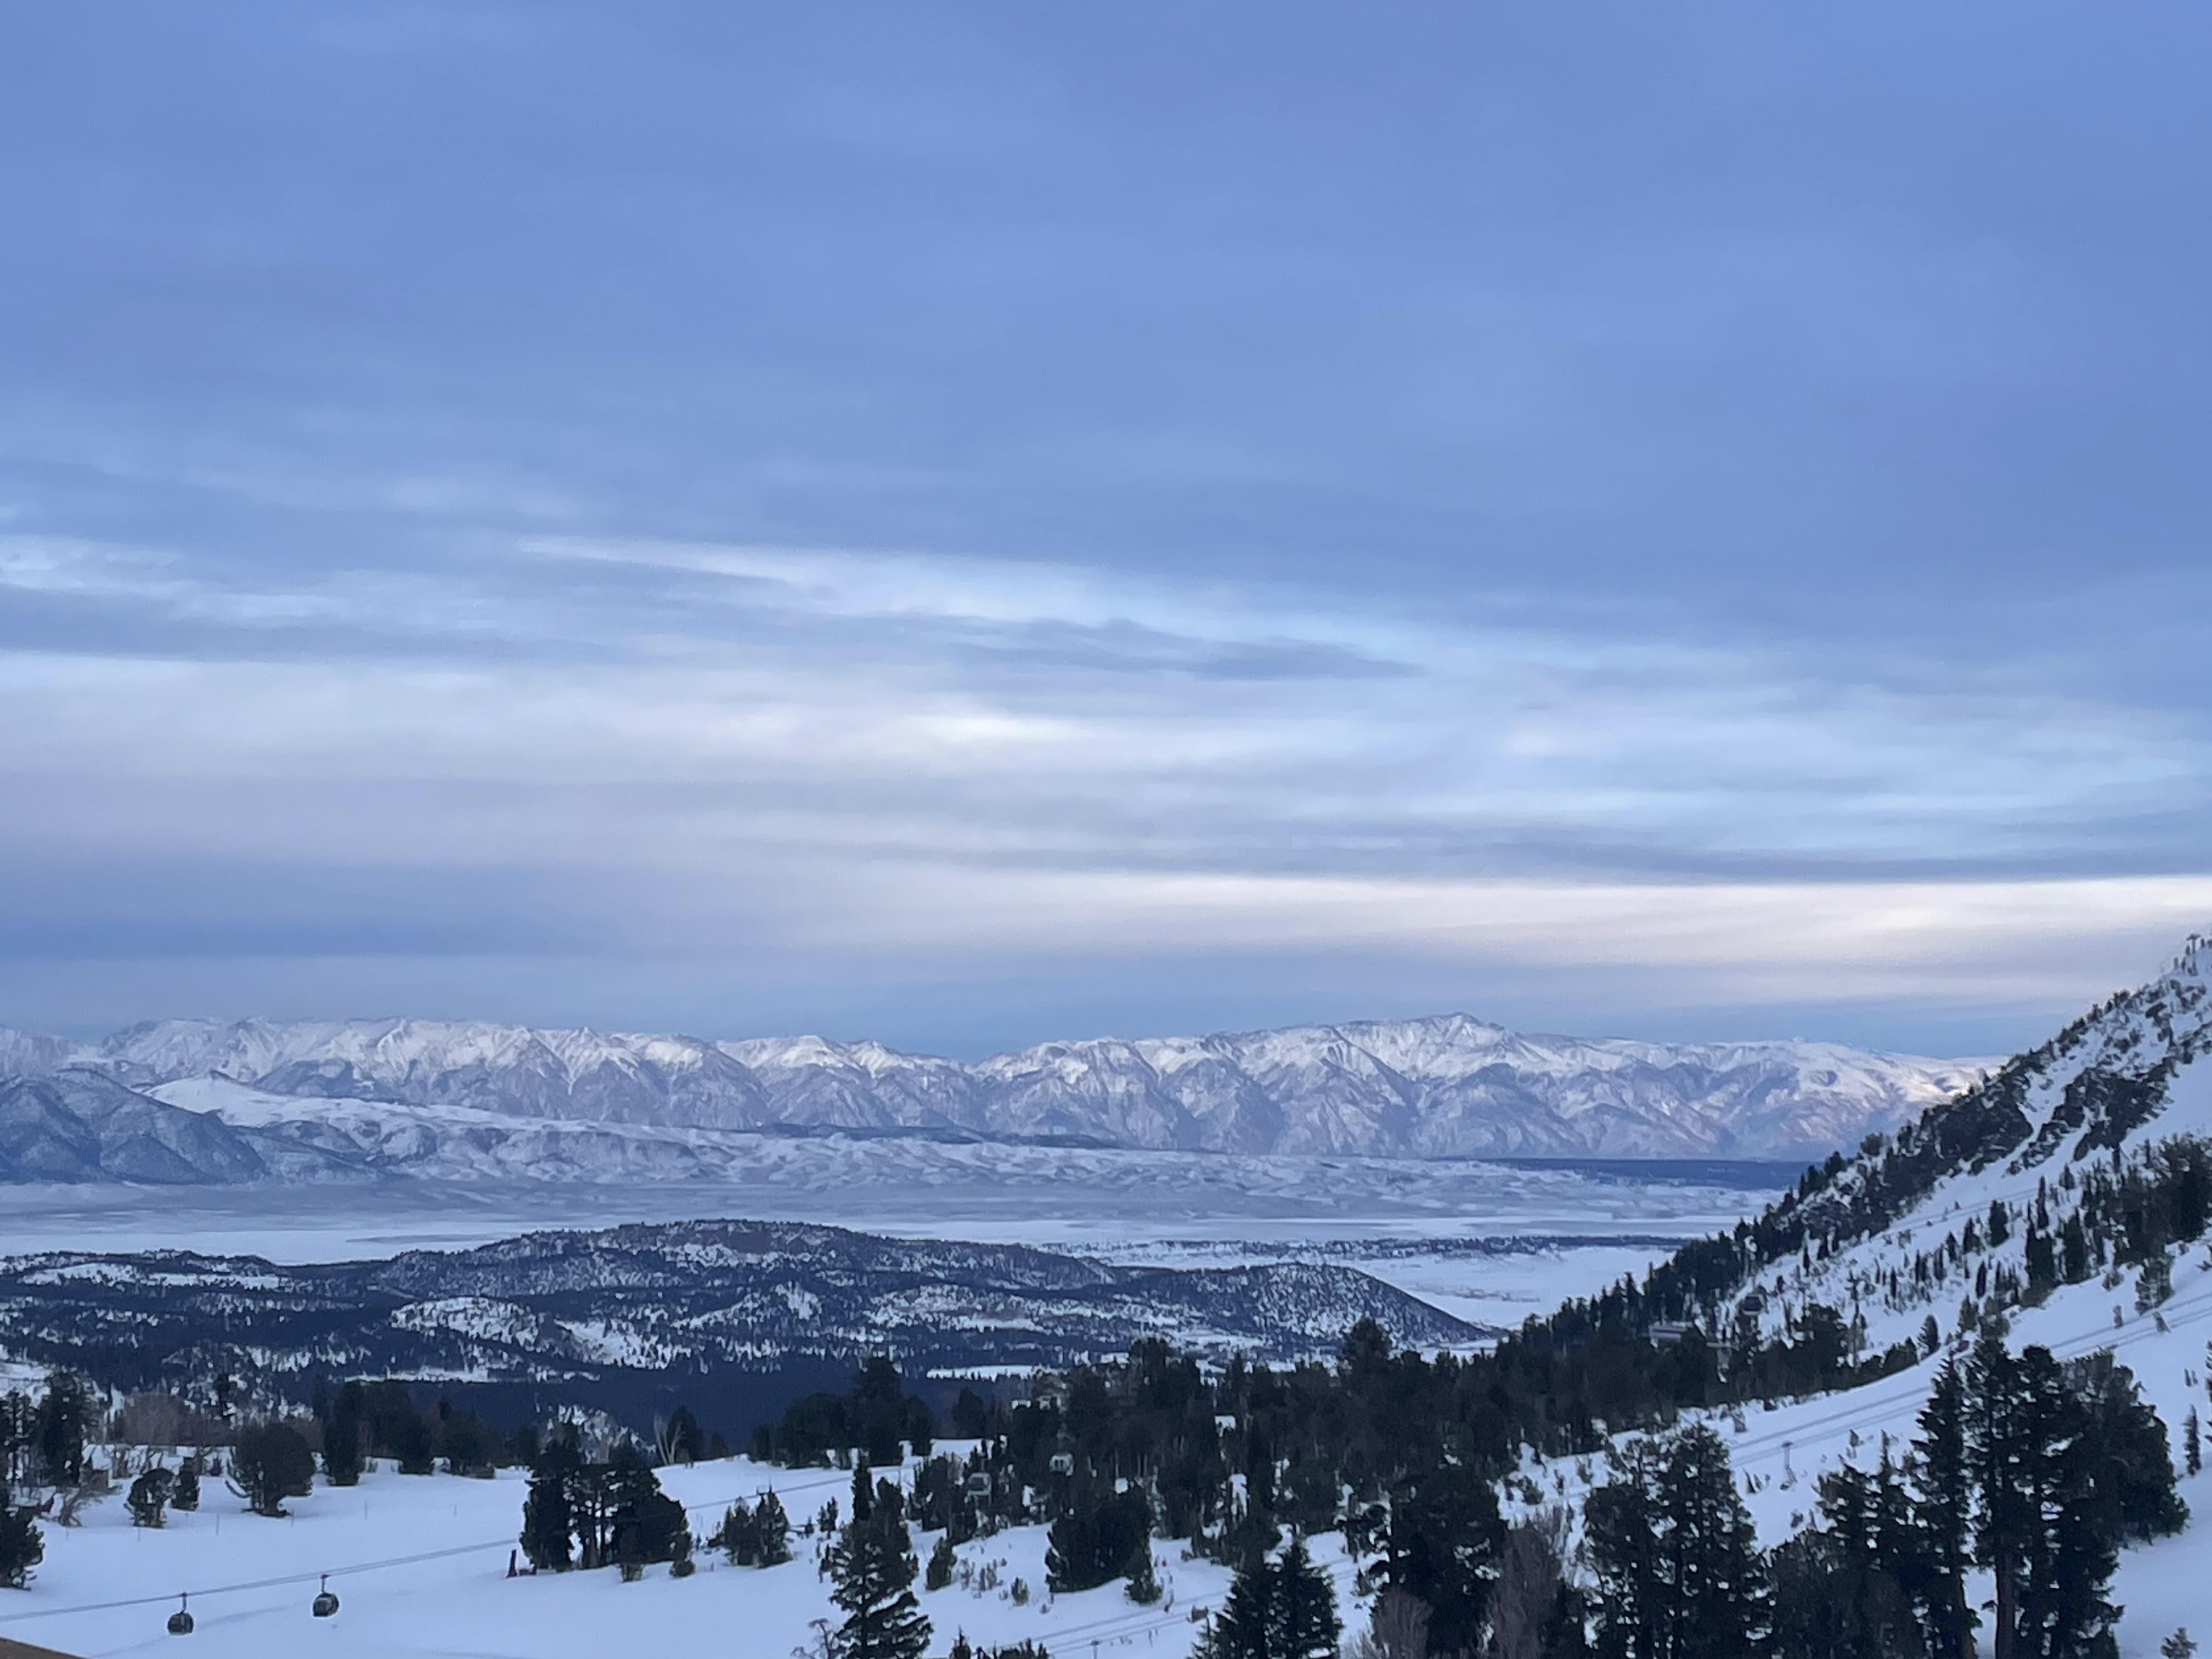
x=983 y=531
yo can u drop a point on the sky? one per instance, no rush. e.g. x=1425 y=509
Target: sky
x=969 y=524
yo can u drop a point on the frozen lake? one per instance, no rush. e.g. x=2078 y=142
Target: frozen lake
x=1490 y=1242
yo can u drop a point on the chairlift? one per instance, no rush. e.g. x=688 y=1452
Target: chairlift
x=180 y=1621
x=326 y=1603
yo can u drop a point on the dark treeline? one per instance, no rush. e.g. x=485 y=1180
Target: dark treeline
x=2035 y=1470
x=1301 y=1436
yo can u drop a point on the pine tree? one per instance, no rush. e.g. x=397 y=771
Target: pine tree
x=548 y=1513
x=22 y=1546
x=2042 y=1259
x=771 y=1532
x=414 y=1446
x=342 y=1437
x=1718 y=1580
x=1445 y=1534
x=1245 y=1625
x=1838 y=1590
x=864 y=1491
x=1944 y=1518
x=871 y=1571
x=2069 y=1462
x=1997 y=1455
x=2192 y=1444
x=645 y=1520
x=736 y=1537
x=186 y=1494
x=942 y=1560
x=1068 y=1548
x=2065 y=1611
x=149 y=1497
x=1622 y=1525
x=1827 y=1608
x=1676 y=1559
x=1303 y=1622
x=271 y=1462
x=1144 y=1585
x=60 y=1431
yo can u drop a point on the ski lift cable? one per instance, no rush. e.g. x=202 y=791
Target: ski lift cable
x=500 y=1543
x=1870 y=1411
x=260 y=1583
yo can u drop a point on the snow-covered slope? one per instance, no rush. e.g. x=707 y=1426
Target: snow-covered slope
x=1441 y=1087
x=1909 y=1228
x=420 y=1567
x=2100 y=1127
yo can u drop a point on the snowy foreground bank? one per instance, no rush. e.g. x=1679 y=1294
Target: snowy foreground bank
x=419 y=1563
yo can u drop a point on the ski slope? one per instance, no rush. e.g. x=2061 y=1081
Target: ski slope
x=420 y=1562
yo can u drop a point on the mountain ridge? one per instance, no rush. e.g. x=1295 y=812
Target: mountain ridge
x=1444 y=1085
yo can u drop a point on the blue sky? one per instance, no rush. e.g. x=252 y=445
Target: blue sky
x=966 y=524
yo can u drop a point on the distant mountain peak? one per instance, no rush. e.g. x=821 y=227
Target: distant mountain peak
x=1442 y=1085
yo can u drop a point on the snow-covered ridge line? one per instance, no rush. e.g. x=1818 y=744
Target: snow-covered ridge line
x=1450 y=1085
x=2074 y=1172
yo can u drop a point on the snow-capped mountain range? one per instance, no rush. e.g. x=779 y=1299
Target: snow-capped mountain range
x=1442 y=1087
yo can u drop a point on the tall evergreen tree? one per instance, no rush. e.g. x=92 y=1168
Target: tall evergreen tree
x=548 y=1515
x=2070 y=1463
x=22 y=1546
x=1718 y=1578
x=1839 y=1590
x=864 y=1491
x=1622 y=1527
x=342 y=1437
x=60 y=1431
x=1944 y=1491
x=1303 y=1622
x=2005 y=1521
x=1242 y=1628
x=771 y=1532
x=645 y=1520
x=1675 y=1556
x=942 y=1559
x=2072 y=1551
x=736 y=1537
x=1444 y=1537
x=871 y=1571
